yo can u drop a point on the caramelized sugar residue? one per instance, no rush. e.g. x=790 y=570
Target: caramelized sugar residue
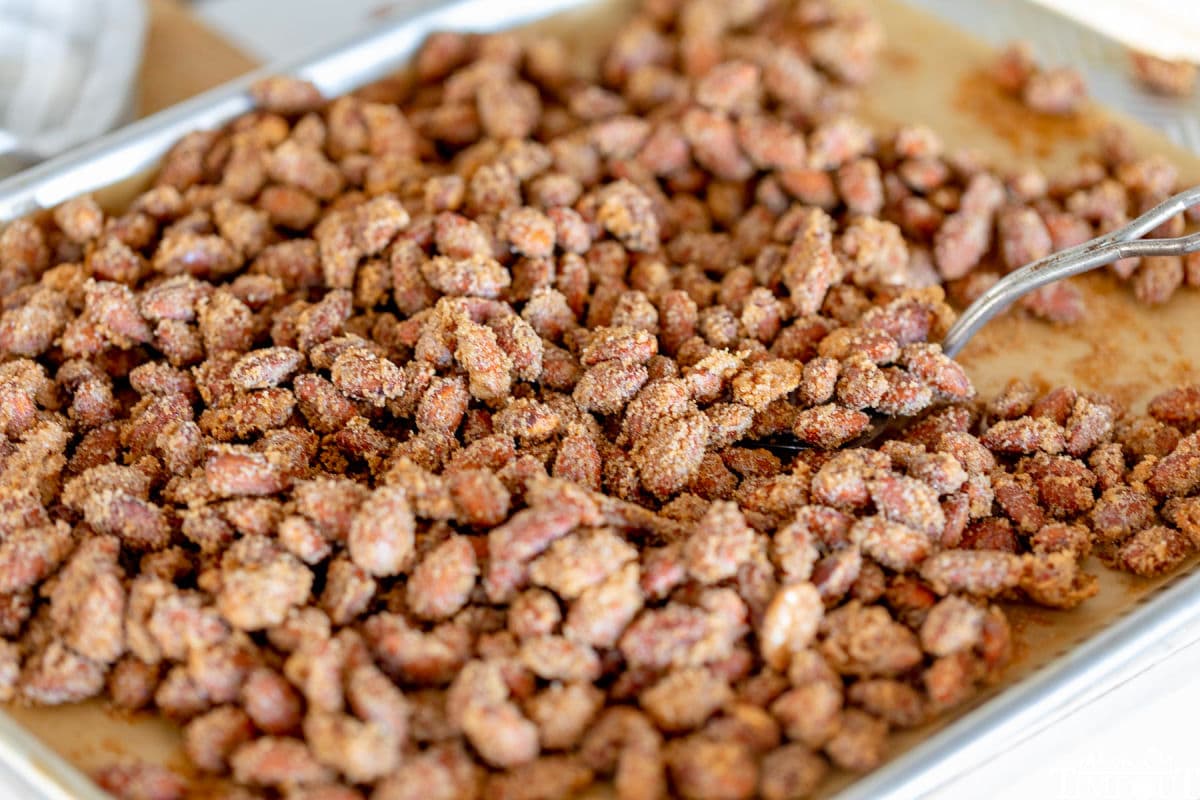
x=1027 y=132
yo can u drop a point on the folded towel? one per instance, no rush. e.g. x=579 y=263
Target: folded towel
x=67 y=71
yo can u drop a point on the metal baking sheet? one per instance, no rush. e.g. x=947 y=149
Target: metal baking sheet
x=1103 y=61
x=930 y=73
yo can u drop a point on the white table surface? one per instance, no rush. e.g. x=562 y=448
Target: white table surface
x=1136 y=742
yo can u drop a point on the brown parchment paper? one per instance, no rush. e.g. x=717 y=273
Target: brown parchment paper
x=930 y=73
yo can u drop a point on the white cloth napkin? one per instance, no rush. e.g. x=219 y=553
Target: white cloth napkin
x=67 y=71
x=1166 y=28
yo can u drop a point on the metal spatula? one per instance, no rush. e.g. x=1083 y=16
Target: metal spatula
x=1124 y=242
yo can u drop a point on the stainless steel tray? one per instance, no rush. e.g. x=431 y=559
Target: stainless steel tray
x=335 y=70
x=1130 y=641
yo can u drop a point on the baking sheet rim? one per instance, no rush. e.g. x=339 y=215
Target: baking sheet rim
x=1014 y=714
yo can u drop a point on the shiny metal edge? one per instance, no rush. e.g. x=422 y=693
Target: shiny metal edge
x=335 y=70
x=40 y=769
x=1014 y=714
x=1021 y=710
